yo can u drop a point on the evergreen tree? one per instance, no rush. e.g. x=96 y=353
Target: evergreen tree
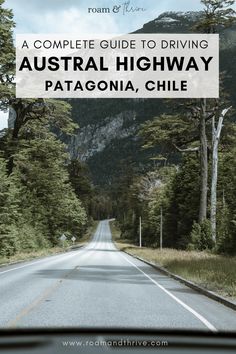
x=40 y=165
x=9 y=212
x=81 y=183
x=216 y=14
x=7 y=56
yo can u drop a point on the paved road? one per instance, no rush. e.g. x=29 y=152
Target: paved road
x=100 y=286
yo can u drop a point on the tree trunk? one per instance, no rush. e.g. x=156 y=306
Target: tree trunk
x=215 y=143
x=214 y=177
x=203 y=163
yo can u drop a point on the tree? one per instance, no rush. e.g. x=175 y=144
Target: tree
x=173 y=133
x=8 y=194
x=37 y=201
x=9 y=212
x=81 y=183
x=155 y=194
x=226 y=202
x=54 y=113
x=216 y=132
x=216 y=14
x=188 y=131
x=7 y=56
x=40 y=166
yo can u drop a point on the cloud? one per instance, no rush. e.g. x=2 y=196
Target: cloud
x=71 y=16
x=59 y=17
x=72 y=20
x=43 y=5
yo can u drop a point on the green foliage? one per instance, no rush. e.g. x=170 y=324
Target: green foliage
x=225 y=242
x=227 y=199
x=42 y=195
x=41 y=168
x=169 y=131
x=201 y=237
x=54 y=113
x=37 y=201
x=217 y=13
x=9 y=212
x=185 y=202
x=175 y=191
x=160 y=199
x=81 y=183
x=7 y=55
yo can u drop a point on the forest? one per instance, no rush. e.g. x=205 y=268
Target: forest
x=43 y=194
x=189 y=203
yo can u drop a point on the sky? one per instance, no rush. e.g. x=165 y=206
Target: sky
x=63 y=16
x=71 y=16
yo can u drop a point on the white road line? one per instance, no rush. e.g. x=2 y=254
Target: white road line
x=195 y=313
x=52 y=258
x=26 y=265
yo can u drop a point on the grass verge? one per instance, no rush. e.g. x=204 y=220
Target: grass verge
x=26 y=256
x=213 y=272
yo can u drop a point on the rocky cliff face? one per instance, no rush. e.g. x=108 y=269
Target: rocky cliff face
x=108 y=127
x=93 y=138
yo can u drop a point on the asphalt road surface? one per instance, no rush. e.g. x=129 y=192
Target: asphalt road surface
x=99 y=286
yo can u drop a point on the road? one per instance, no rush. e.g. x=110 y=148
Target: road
x=99 y=286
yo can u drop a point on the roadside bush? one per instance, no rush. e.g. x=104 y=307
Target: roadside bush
x=201 y=236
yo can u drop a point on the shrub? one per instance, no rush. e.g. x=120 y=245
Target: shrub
x=201 y=236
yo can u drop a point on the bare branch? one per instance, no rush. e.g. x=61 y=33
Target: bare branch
x=220 y=123
x=187 y=150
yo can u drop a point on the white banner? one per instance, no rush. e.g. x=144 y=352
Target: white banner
x=129 y=66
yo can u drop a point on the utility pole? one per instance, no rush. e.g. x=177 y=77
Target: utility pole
x=161 y=228
x=140 y=232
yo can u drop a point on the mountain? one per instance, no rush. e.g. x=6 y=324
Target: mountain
x=108 y=127
x=171 y=22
